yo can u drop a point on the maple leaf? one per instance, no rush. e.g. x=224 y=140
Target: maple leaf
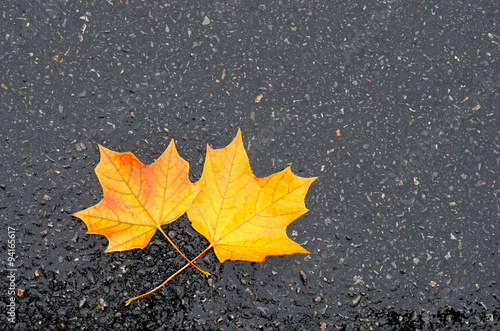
x=242 y=216
x=138 y=199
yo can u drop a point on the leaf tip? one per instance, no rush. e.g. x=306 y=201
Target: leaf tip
x=102 y=149
x=172 y=143
x=208 y=148
x=239 y=136
x=108 y=250
x=305 y=251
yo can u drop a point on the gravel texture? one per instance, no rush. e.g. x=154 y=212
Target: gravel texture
x=393 y=104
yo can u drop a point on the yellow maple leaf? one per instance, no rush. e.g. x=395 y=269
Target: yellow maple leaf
x=138 y=199
x=242 y=216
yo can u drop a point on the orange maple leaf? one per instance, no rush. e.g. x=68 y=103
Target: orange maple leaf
x=138 y=199
x=242 y=216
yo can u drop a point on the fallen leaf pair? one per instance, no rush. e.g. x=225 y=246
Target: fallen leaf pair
x=242 y=216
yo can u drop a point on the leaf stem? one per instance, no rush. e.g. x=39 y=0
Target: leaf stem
x=169 y=278
x=206 y=273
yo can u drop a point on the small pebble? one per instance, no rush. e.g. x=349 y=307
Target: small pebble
x=206 y=259
x=356 y=300
x=80 y=147
x=303 y=277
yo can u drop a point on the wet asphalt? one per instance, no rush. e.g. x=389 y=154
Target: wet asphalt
x=393 y=104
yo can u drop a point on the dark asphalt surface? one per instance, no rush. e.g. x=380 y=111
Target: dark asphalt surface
x=393 y=104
